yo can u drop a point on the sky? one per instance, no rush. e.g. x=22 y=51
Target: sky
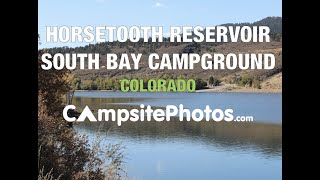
x=164 y=13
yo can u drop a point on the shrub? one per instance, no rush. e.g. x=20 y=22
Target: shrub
x=245 y=81
x=256 y=83
x=89 y=85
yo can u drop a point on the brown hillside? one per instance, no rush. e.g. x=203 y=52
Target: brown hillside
x=227 y=75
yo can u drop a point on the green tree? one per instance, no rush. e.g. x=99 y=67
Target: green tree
x=214 y=81
x=200 y=84
x=76 y=83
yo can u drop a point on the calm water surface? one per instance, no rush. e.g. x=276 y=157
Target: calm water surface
x=194 y=150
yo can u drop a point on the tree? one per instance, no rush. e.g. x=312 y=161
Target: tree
x=200 y=84
x=62 y=153
x=213 y=81
x=76 y=83
x=59 y=147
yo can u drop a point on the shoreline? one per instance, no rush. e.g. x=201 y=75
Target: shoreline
x=224 y=87
x=244 y=90
x=270 y=85
x=240 y=90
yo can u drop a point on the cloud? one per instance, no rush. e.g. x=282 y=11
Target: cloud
x=159 y=5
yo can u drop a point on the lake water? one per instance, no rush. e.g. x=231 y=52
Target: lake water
x=194 y=150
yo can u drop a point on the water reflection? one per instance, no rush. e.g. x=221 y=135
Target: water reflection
x=263 y=107
x=266 y=138
x=189 y=150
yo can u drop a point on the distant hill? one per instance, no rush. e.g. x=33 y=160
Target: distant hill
x=274 y=23
x=229 y=76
